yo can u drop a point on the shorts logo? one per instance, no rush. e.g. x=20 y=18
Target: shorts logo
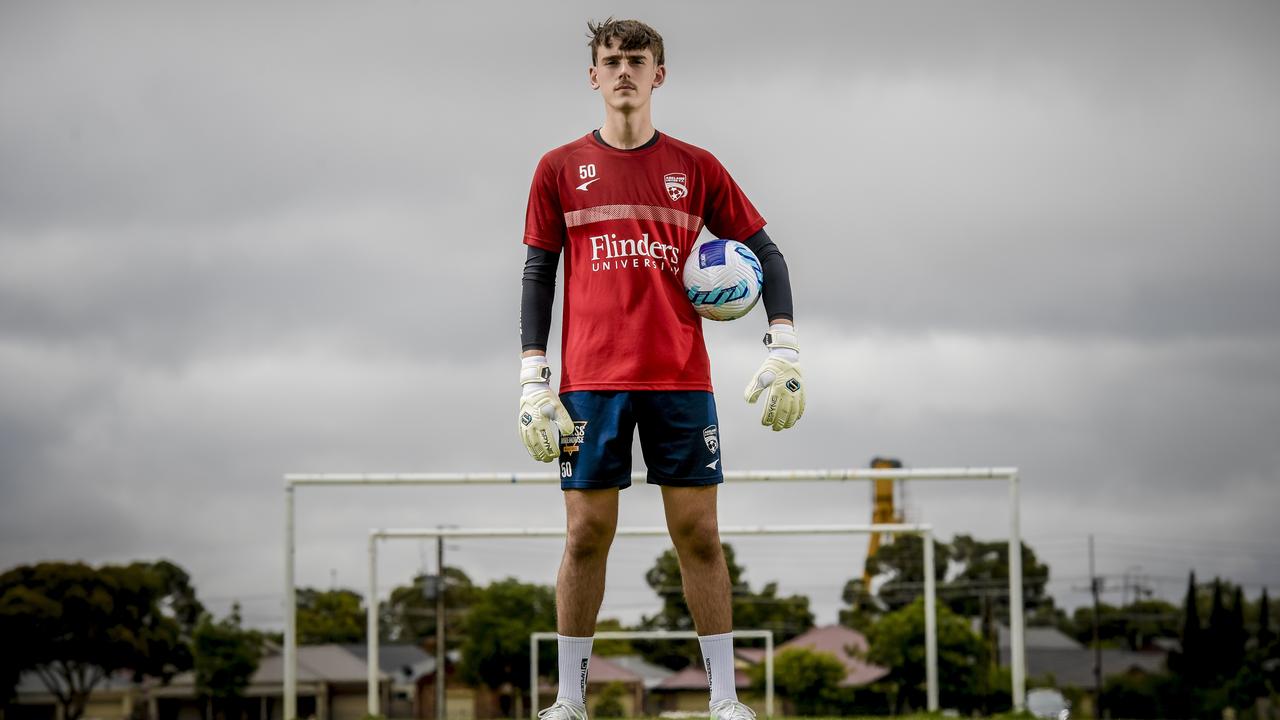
x=569 y=443
x=793 y=385
x=677 y=185
x=711 y=436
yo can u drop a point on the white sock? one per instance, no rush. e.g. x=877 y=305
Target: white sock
x=575 y=652
x=717 y=658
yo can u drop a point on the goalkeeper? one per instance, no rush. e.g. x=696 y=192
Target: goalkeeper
x=624 y=205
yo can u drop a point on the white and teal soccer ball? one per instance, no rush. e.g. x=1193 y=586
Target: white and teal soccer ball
x=722 y=279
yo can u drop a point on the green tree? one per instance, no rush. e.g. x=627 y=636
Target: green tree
x=73 y=625
x=863 y=608
x=608 y=703
x=495 y=651
x=1136 y=694
x=1265 y=635
x=409 y=615
x=808 y=679
x=1236 y=635
x=897 y=642
x=226 y=656
x=983 y=573
x=901 y=564
x=330 y=616
x=1132 y=626
x=1189 y=662
x=787 y=616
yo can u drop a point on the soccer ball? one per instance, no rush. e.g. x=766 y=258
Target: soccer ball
x=722 y=279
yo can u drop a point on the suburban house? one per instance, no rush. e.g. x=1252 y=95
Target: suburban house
x=687 y=689
x=1054 y=658
x=848 y=645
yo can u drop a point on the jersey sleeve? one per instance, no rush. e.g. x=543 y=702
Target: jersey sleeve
x=728 y=213
x=544 y=219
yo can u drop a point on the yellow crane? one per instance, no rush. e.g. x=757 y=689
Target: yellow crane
x=883 y=509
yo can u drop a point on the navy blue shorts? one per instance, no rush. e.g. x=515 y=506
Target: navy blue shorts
x=679 y=438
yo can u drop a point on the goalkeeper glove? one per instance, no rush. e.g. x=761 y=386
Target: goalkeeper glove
x=780 y=375
x=543 y=418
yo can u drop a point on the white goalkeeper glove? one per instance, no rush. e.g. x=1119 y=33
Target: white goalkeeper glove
x=780 y=375
x=543 y=418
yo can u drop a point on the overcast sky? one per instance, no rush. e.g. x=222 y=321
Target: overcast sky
x=239 y=240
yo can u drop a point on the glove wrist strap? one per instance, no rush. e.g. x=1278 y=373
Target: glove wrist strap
x=535 y=370
x=782 y=336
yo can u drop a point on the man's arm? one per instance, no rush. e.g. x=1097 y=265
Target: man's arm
x=776 y=290
x=537 y=294
x=543 y=418
x=780 y=373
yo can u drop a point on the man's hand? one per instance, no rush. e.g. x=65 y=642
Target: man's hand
x=542 y=418
x=780 y=375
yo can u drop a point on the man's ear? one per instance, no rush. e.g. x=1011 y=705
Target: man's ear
x=659 y=76
x=591 y=78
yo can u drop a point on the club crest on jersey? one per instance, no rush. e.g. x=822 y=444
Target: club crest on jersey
x=711 y=436
x=569 y=443
x=677 y=185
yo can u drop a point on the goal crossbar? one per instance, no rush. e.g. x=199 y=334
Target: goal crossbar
x=922 y=529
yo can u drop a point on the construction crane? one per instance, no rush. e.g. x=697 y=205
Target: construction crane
x=883 y=509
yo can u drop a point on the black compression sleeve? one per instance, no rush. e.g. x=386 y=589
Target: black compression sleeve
x=537 y=293
x=777 y=281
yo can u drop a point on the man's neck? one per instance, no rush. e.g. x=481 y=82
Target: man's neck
x=627 y=131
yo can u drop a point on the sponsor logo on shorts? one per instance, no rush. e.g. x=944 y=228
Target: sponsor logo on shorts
x=569 y=444
x=711 y=436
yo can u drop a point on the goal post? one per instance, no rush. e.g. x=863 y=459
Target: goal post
x=535 y=639
x=293 y=481
x=924 y=530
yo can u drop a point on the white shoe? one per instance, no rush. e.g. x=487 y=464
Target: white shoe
x=731 y=710
x=564 y=710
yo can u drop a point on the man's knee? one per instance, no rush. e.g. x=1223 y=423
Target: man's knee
x=589 y=536
x=696 y=538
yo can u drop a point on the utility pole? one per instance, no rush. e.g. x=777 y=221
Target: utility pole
x=440 y=653
x=1095 y=585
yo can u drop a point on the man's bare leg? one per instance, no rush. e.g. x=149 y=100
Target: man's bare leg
x=592 y=520
x=695 y=532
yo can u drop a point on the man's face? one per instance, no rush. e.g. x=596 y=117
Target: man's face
x=625 y=78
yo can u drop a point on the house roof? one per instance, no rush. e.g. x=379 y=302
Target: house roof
x=604 y=669
x=391 y=656
x=695 y=678
x=1039 y=637
x=1074 y=667
x=651 y=674
x=29 y=683
x=316 y=663
x=845 y=643
x=403 y=661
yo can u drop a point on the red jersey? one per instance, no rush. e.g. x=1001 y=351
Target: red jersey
x=625 y=221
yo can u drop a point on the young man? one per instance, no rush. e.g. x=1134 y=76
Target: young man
x=624 y=204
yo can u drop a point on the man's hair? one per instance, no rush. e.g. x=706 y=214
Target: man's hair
x=631 y=35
